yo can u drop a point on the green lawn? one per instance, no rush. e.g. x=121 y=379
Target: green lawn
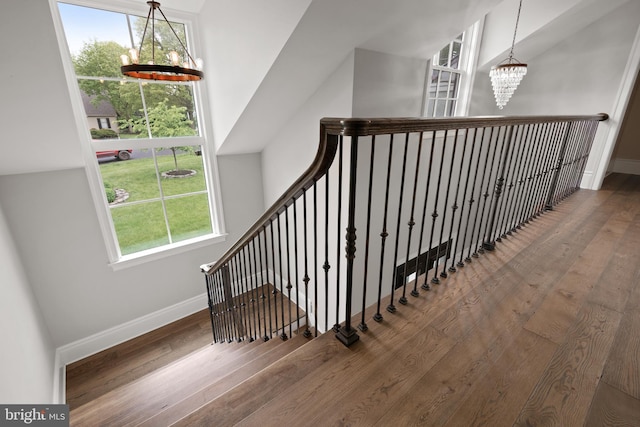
x=142 y=225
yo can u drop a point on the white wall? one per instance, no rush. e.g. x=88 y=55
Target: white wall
x=57 y=235
x=27 y=356
x=35 y=108
x=241 y=40
x=291 y=152
x=387 y=85
x=579 y=75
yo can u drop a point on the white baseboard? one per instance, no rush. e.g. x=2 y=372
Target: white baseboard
x=628 y=166
x=93 y=344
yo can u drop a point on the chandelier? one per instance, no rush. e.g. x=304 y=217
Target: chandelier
x=506 y=76
x=175 y=69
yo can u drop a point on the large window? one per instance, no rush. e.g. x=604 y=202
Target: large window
x=149 y=161
x=449 y=78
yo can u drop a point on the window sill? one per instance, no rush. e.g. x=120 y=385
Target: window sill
x=154 y=254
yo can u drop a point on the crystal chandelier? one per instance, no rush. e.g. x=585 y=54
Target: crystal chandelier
x=506 y=76
x=180 y=69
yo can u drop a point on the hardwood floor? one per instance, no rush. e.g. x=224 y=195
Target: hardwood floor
x=545 y=331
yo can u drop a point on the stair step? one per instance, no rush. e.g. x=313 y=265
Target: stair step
x=171 y=384
x=225 y=383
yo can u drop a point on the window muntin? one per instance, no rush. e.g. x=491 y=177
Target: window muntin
x=163 y=190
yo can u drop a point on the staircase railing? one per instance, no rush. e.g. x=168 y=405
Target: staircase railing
x=418 y=198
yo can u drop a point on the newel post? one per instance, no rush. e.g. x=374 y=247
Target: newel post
x=554 y=182
x=347 y=334
x=489 y=244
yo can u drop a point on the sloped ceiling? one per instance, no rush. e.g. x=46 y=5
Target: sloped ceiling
x=327 y=32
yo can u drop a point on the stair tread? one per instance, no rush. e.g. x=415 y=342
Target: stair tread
x=170 y=384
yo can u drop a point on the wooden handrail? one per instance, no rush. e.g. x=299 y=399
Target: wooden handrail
x=379 y=126
x=330 y=128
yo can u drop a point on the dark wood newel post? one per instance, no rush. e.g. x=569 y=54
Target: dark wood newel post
x=554 y=182
x=490 y=244
x=347 y=334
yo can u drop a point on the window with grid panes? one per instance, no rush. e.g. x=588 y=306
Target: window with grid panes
x=161 y=197
x=445 y=80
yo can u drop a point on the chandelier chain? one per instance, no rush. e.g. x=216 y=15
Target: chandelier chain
x=513 y=43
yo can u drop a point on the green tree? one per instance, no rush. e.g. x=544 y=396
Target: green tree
x=166 y=121
x=102 y=59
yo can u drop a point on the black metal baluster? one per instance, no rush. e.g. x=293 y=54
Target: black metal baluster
x=556 y=171
x=315 y=258
x=383 y=234
x=326 y=266
x=568 y=173
x=485 y=195
x=336 y=326
x=289 y=286
x=455 y=206
x=558 y=193
x=460 y=263
x=254 y=276
x=207 y=279
x=391 y=308
x=295 y=257
x=434 y=214
x=218 y=314
x=283 y=336
x=425 y=284
x=270 y=283
x=348 y=335
x=263 y=297
x=496 y=156
x=363 y=324
x=471 y=198
x=239 y=305
x=531 y=175
x=307 y=332
x=489 y=243
x=249 y=291
x=517 y=183
x=224 y=276
x=547 y=170
x=411 y=223
x=443 y=274
x=569 y=186
x=274 y=292
x=501 y=226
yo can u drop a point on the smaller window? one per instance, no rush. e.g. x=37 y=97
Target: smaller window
x=448 y=81
x=104 y=123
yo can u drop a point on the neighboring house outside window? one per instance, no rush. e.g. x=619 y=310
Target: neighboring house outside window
x=100 y=113
x=163 y=196
x=449 y=78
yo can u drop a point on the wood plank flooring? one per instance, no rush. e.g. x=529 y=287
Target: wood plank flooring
x=545 y=331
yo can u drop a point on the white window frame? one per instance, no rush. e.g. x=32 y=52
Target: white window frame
x=88 y=146
x=467 y=68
